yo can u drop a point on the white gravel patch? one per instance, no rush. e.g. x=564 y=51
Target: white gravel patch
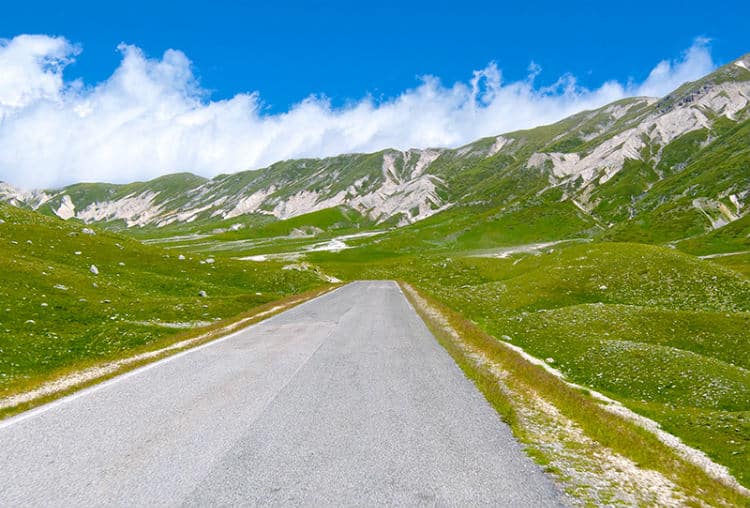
x=690 y=454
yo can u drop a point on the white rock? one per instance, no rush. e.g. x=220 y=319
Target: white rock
x=603 y=287
x=549 y=360
x=94 y=270
x=210 y=261
x=30 y=322
x=67 y=209
x=88 y=231
x=120 y=264
x=181 y=257
x=44 y=304
x=135 y=210
x=77 y=253
x=202 y=294
x=61 y=287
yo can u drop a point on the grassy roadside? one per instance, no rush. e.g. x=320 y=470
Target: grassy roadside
x=663 y=333
x=73 y=297
x=54 y=385
x=509 y=383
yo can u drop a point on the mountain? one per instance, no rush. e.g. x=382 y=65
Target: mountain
x=652 y=169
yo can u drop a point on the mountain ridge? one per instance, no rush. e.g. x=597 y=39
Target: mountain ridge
x=603 y=161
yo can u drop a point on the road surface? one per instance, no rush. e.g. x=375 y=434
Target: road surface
x=344 y=400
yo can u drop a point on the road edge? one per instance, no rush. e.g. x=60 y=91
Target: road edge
x=506 y=377
x=56 y=389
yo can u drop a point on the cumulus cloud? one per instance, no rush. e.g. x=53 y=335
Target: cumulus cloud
x=151 y=116
x=667 y=76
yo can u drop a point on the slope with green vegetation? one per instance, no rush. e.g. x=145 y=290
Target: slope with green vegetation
x=663 y=332
x=72 y=297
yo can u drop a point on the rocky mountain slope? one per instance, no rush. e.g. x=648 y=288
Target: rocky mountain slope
x=659 y=168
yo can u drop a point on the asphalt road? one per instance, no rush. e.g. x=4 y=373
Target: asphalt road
x=344 y=400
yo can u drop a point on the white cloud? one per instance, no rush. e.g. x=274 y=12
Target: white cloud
x=667 y=76
x=151 y=116
x=31 y=69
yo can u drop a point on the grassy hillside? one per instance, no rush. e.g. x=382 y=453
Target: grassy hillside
x=664 y=332
x=734 y=237
x=55 y=313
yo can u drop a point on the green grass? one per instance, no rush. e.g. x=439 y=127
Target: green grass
x=56 y=315
x=663 y=332
x=734 y=237
x=528 y=380
x=739 y=263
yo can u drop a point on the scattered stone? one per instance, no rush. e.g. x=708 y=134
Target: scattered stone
x=120 y=264
x=94 y=270
x=549 y=360
x=506 y=337
x=2 y=221
x=603 y=287
x=77 y=253
x=30 y=322
x=88 y=231
x=61 y=287
x=44 y=304
x=202 y=294
x=210 y=261
x=95 y=285
x=106 y=301
x=29 y=242
x=181 y=257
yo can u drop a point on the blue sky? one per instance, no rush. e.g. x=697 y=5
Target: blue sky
x=289 y=50
x=250 y=83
